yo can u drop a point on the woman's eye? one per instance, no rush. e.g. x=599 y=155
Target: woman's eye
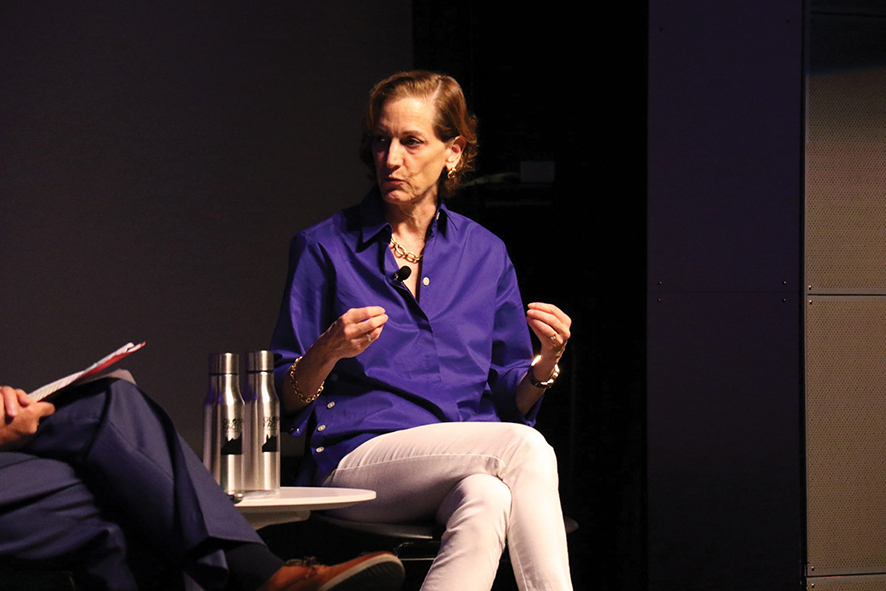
x=411 y=142
x=380 y=140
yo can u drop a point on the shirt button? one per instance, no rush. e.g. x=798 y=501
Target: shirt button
x=425 y=281
x=331 y=404
x=321 y=428
x=320 y=449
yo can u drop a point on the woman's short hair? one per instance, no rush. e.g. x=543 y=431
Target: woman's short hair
x=451 y=119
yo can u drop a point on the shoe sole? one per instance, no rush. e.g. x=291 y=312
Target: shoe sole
x=381 y=573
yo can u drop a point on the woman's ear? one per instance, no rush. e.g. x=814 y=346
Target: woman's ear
x=456 y=147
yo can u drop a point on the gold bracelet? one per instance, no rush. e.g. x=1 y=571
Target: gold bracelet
x=548 y=382
x=298 y=393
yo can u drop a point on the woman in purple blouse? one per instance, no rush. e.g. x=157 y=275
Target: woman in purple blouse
x=406 y=358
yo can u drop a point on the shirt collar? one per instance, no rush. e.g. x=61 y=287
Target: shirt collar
x=374 y=227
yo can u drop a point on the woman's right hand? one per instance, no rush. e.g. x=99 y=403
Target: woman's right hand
x=352 y=333
x=348 y=336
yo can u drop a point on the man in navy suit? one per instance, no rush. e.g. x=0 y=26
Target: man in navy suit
x=101 y=471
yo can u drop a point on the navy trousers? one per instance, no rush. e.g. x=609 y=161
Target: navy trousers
x=108 y=471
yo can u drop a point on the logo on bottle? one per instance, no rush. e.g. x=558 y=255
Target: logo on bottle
x=233 y=446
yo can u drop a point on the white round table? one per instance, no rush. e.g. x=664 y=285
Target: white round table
x=295 y=503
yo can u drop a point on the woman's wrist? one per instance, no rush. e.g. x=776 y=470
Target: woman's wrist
x=543 y=373
x=303 y=397
x=307 y=374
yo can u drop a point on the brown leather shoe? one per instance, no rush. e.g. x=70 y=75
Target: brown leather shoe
x=379 y=571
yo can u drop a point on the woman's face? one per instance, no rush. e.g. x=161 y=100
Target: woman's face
x=409 y=157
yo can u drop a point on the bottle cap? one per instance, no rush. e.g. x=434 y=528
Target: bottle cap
x=224 y=363
x=259 y=361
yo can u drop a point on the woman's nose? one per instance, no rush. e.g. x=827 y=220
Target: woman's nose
x=393 y=158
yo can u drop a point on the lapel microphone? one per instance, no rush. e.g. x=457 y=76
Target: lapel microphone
x=403 y=273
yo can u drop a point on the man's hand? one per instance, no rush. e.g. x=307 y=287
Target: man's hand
x=19 y=417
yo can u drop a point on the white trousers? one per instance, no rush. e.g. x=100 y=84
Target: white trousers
x=488 y=483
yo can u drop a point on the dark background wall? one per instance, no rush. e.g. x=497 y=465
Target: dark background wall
x=157 y=157
x=725 y=454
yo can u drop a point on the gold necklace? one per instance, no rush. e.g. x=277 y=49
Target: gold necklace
x=403 y=253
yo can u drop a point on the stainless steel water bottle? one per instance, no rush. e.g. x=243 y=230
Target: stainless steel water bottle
x=261 y=425
x=223 y=423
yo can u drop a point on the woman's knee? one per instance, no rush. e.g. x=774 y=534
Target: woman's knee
x=533 y=453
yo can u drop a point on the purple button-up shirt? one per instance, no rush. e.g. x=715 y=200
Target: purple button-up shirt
x=457 y=354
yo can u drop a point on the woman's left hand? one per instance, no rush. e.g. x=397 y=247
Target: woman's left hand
x=551 y=325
